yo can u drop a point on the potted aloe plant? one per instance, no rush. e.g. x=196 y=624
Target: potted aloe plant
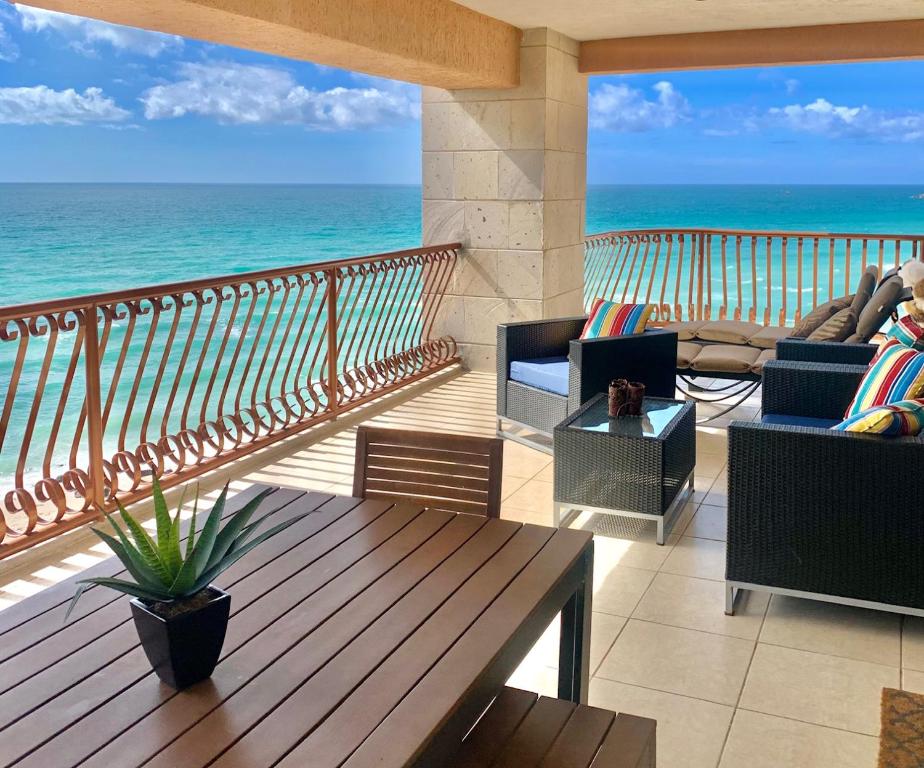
x=180 y=616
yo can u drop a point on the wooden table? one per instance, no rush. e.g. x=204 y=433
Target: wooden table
x=367 y=634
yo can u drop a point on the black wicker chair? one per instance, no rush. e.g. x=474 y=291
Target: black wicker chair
x=818 y=513
x=649 y=357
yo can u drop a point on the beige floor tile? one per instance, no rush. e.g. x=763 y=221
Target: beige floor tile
x=837 y=630
x=547 y=474
x=711 y=441
x=702 y=558
x=697 y=664
x=618 y=588
x=532 y=516
x=520 y=461
x=533 y=676
x=603 y=632
x=763 y=741
x=912 y=680
x=913 y=643
x=532 y=495
x=511 y=484
x=708 y=523
x=690 y=732
x=814 y=688
x=642 y=552
x=718 y=494
x=683 y=601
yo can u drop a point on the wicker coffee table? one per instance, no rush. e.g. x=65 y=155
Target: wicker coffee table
x=633 y=466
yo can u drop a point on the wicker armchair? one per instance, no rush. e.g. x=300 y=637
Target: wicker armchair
x=837 y=352
x=649 y=357
x=819 y=513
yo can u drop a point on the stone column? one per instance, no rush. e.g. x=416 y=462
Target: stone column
x=504 y=173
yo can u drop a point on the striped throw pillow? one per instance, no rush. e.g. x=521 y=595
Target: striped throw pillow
x=607 y=318
x=896 y=419
x=896 y=373
x=908 y=332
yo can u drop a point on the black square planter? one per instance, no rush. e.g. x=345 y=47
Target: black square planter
x=184 y=649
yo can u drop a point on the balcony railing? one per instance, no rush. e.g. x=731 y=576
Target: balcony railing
x=99 y=393
x=772 y=278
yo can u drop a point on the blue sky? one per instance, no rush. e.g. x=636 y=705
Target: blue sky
x=86 y=101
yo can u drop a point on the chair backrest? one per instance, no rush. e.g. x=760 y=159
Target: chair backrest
x=457 y=473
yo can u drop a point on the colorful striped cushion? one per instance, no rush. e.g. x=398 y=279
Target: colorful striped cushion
x=902 y=418
x=896 y=373
x=908 y=332
x=607 y=318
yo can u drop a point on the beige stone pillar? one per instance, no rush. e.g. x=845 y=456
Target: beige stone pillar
x=504 y=172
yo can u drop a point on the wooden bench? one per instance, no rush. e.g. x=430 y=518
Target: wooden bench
x=523 y=730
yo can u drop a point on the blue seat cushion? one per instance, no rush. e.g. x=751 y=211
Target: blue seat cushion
x=798 y=421
x=548 y=373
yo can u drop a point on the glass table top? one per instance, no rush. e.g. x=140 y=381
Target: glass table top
x=656 y=415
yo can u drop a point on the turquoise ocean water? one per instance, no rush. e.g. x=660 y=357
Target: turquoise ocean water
x=67 y=240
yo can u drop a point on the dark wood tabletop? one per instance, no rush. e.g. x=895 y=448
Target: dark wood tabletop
x=367 y=634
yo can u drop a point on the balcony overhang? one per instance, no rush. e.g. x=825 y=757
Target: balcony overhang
x=821 y=44
x=431 y=42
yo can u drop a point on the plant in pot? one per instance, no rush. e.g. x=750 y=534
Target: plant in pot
x=180 y=616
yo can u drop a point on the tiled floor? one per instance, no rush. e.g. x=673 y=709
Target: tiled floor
x=785 y=682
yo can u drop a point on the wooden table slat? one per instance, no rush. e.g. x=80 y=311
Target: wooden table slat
x=64 y=671
x=339 y=735
x=495 y=728
x=536 y=734
x=368 y=634
x=74 y=640
x=580 y=739
x=150 y=726
x=412 y=724
x=50 y=605
x=75 y=702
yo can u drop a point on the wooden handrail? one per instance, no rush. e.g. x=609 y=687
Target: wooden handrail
x=756 y=283
x=104 y=392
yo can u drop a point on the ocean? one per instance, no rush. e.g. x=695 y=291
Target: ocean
x=69 y=239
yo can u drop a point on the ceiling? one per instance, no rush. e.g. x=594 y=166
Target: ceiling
x=598 y=19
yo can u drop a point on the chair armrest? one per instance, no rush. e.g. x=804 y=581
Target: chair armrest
x=649 y=357
x=820 y=510
x=529 y=339
x=825 y=351
x=809 y=389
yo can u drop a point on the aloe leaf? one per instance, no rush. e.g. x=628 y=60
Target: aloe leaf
x=81 y=588
x=229 y=533
x=237 y=552
x=203 y=549
x=132 y=561
x=129 y=588
x=191 y=539
x=145 y=546
x=187 y=575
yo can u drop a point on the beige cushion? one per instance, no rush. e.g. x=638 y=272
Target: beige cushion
x=686 y=329
x=727 y=358
x=813 y=320
x=758 y=365
x=836 y=328
x=877 y=309
x=686 y=353
x=728 y=331
x=766 y=338
x=865 y=289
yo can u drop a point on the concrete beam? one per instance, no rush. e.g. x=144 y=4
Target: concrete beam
x=830 y=43
x=431 y=42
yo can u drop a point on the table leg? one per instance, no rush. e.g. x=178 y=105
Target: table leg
x=574 y=645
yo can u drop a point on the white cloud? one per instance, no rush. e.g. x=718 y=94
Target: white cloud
x=9 y=51
x=41 y=105
x=791 y=85
x=244 y=94
x=617 y=107
x=86 y=35
x=823 y=118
